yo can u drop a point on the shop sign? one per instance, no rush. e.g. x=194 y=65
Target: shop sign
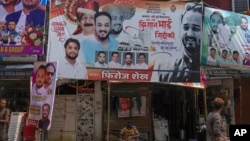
x=220 y=72
x=15 y=74
x=20 y=58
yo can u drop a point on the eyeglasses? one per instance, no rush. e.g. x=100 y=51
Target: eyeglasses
x=50 y=73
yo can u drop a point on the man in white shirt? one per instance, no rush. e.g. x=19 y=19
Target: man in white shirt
x=38 y=87
x=224 y=56
x=243 y=31
x=211 y=57
x=128 y=61
x=101 y=57
x=224 y=34
x=69 y=67
x=3 y=26
x=84 y=15
x=141 y=64
x=114 y=63
x=235 y=58
x=215 y=19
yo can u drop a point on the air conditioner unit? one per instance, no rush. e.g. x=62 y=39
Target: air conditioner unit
x=238 y=6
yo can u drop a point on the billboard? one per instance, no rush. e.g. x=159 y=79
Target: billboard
x=42 y=94
x=226 y=39
x=22 y=27
x=132 y=40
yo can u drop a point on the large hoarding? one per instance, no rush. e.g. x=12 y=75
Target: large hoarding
x=130 y=40
x=226 y=39
x=22 y=27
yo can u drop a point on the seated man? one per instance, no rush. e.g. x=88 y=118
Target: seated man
x=129 y=133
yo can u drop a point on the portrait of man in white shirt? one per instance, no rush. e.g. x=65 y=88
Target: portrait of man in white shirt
x=114 y=63
x=101 y=60
x=141 y=61
x=40 y=77
x=212 y=55
x=128 y=61
x=70 y=67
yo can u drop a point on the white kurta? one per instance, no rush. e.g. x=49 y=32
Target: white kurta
x=224 y=34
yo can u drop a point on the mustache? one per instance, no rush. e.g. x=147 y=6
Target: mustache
x=190 y=38
x=88 y=24
x=117 y=25
x=103 y=31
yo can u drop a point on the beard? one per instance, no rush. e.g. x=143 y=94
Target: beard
x=214 y=30
x=71 y=57
x=39 y=85
x=191 y=45
x=101 y=62
x=30 y=7
x=103 y=38
x=115 y=32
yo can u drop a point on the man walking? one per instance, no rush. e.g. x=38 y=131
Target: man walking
x=4 y=120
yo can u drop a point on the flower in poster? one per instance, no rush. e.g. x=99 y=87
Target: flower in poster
x=32 y=35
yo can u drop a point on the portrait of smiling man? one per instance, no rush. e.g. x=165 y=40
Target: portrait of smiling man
x=44 y=122
x=102 y=41
x=70 y=67
x=215 y=19
x=117 y=15
x=85 y=19
x=187 y=67
x=38 y=86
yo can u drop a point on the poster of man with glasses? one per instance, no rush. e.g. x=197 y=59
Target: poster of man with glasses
x=42 y=90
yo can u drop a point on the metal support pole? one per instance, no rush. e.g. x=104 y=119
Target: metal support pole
x=205 y=102
x=108 y=111
x=42 y=135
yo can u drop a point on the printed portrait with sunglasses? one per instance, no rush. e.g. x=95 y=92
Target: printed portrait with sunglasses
x=50 y=71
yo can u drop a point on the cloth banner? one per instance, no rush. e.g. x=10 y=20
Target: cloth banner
x=22 y=27
x=126 y=40
x=226 y=39
x=42 y=94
